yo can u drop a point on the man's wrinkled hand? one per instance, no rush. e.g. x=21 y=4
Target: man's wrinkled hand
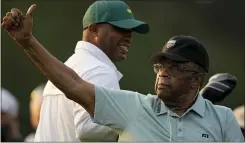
x=18 y=25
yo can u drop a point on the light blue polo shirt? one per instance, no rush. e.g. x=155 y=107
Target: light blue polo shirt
x=138 y=117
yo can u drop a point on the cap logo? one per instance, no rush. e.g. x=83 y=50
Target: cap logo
x=129 y=10
x=170 y=43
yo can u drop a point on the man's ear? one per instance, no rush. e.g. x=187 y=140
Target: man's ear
x=93 y=28
x=197 y=81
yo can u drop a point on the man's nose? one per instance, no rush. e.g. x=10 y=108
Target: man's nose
x=163 y=73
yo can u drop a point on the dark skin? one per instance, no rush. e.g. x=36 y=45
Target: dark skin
x=113 y=41
x=19 y=27
x=63 y=77
x=178 y=86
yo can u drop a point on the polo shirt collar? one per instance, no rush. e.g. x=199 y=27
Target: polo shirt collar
x=198 y=107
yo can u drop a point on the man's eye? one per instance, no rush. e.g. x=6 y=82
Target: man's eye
x=174 y=68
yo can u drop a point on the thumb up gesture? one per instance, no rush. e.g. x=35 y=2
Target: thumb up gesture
x=19 y=25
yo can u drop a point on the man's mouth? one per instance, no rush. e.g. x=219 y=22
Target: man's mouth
x=162 y=85
x=124 y=48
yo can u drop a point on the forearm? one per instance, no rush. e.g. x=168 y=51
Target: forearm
x=60 y=75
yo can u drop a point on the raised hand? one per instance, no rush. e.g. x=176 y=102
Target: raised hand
x=19 y=25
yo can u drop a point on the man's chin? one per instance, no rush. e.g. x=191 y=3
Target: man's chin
x=121 y=57
x=166 y=96
x=163 y=92
x=163 y=95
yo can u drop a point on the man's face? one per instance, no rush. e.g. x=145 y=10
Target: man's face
x=115 y=41
x=173 y=79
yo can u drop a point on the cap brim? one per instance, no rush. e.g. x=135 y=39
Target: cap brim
x=154 y=58
x=133 y=24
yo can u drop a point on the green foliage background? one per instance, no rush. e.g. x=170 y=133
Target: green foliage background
x=58 y=26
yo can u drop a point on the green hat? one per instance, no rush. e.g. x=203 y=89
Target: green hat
x=114 y=12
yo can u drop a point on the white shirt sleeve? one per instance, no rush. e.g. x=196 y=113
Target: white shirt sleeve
x=86 y=129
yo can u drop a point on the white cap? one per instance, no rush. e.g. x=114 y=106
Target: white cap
x=239 y=113
x=9 y=104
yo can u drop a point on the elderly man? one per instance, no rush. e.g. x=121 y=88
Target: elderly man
x=107 y=35
x=178 y=113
